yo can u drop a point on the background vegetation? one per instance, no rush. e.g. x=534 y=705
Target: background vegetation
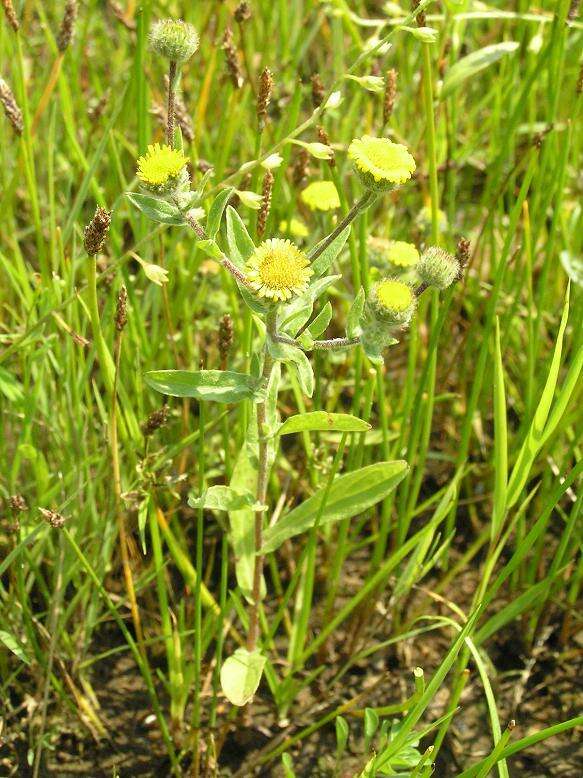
x=473 y=562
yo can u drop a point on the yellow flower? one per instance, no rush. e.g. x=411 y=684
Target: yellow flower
x=278 y=269
x=402 y=254
x=321 y=196
x=380 y=163
x=398 y=253
x=394 y=301
x=295 y=227
x=160 y=166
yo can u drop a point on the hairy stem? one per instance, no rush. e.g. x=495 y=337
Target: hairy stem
x=172 y=71
x=367 y=198
x=262 y=475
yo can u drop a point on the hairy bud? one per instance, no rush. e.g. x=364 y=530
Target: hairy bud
x=174 y=39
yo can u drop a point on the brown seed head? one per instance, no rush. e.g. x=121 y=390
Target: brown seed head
x=264 y=96
x=11 y=17
x=421 y=21
x=225 y=337
x=463 y=252
x=67 y=25
x=155 y=420
x=17 y=503
x=242 y=12
x=11 y=109
x=96 y=231
x=323 y=138
x=56 y=520
x=265 y=203
x=318 y=91
x=390 y=94
x=300 y=167
x=233 y=66
x=121 y=310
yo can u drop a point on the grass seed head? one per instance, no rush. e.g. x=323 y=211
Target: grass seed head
x=11 y=17
x=11 y=109
x=56 y=520
x=232 y=59
x=155 y=421
x=67 y=25
x=96 y=231
x=390 y=94
x=318 y=91
x=121 y=310
x=266 y=191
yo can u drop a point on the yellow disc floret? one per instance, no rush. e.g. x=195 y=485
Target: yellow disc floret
x=393 y=302
x=321 y=196
x=381 y=163
x=161 y=165
x=278 y=270
x=402 y=254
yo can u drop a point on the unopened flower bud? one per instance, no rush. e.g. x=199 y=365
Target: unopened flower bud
x=438 y=268
x=174 y=39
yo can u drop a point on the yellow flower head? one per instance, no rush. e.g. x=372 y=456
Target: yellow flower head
x=278 y=269
x=394 y=302
x=321 y=196
x=402 y=254
x=380 y=163
x=295 y=227
x=161 y=166
x=397 y=253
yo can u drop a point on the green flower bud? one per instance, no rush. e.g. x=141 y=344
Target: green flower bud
x=438 y=268
x=174 y=39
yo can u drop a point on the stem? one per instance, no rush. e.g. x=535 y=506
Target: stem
x=262 y=473
x=358 y=206
x=170 y=112
x=116 y=472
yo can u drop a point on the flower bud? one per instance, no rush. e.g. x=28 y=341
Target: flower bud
x=174 y=39
x=437 y=268
x=392 y=302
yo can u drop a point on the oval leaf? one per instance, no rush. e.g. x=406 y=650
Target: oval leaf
x=222 y=498
x=222 y=386
x=241 y=675
x=322 y=421
x=156 y=209
x=349 y=495
x=324 y=261
x=240 y=244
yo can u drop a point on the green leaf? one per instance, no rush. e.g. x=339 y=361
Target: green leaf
x=475 y=62
x=320 y=323
x=349 y=495
x=223 y=386
x=295 y=357
x=297 y=313
x=210 y=248
x=143 y=510
x=241 y=675
x=241 y=247
x=322 y=421
x=222 y=498
x=213 y=222
x=573 y=267
x=354 y=315
x=242 y=520
x=156 y=209
x=500 y=442
x=14 y=645
x=324 y=261
x=536 y=436
x=9 y=386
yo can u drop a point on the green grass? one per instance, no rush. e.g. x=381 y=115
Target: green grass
x=481 y=397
